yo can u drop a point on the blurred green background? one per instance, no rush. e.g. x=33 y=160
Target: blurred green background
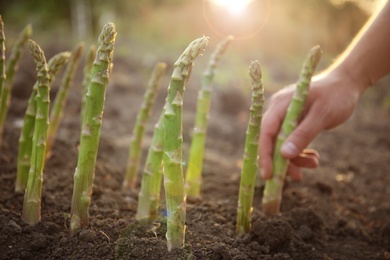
x=277 y=32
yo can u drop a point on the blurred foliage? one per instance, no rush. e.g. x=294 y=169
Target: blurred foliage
x=341 y=19
x=45 y=14
x=151 y=30
x=52 y=13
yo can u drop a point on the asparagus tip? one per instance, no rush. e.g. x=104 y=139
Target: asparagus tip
x=222 y=46
x=108 y=33
x=59 y=58
x=198 y=46
x=184 y=62
x=315 y=55
x=36 y=52
x=28 y=30
x=194 y=49
x=255 y=70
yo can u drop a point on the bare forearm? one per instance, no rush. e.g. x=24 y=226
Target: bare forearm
x=366 y=60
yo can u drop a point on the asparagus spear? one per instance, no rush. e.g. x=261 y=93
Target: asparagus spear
x=92 y=121
x=273 y=188
x=139 y=128
x=250 y=166
x=32 y=197
x=87 y=73
x=12 y=67
x=2 y=56
x=193 y=180
x=25 y=140
x=173 y=171
x=60 y=101
x=149 y=194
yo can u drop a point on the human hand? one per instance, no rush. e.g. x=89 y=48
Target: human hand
x=331 y=100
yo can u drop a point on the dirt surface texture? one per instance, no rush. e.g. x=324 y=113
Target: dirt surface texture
x=339 y=211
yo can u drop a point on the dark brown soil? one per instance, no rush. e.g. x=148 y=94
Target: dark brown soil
x=339 y=211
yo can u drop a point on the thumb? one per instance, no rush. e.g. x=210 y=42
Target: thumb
x=302 y=136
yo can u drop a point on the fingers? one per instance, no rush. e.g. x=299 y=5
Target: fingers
x=309 y=158
x=303 y=135
x=293 y=147
x=270 y=124
x=294 y=172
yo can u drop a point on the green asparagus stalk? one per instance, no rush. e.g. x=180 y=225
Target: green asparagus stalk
x=2 y=56
x=25 y=140
x=140 y=124
x=172 y=158
x=90 y=134
x=250 y=166
x=273 y=188
x=32 y=196
x=59 y=104
x=149 y=194
x=12 y=67
x=193 y=181
x=87 y=74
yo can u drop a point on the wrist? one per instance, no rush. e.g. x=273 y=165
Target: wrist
x=353 y=78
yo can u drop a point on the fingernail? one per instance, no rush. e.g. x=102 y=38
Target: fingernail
x=289 y=149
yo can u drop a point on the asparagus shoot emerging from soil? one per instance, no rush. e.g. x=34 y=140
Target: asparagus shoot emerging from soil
x=32 y=196
x=87 y=74
x=140 y=124
x=193 y=177
x=11 y=68
x=90 y=134
x=173 y=139
x=250 y=166
x=2 y=56
x=149 y=194
x=274 y=187
x=25 y=140
x=62 y=95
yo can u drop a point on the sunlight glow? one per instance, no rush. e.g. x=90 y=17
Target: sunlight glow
x=235 y=7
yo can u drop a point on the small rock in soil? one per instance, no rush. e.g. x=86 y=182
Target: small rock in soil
x=14 y=228
x=38 y=241
x=87 y=235
x=228 y=240
x=308 y=217
x=324 y=188
x=255 y=246
x=305 y=232
x=51 y=228
x=63 y=240
x=221 y=251
x=275 y=233
x=122 y=222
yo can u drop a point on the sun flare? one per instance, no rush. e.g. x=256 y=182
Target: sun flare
x=236 y=7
